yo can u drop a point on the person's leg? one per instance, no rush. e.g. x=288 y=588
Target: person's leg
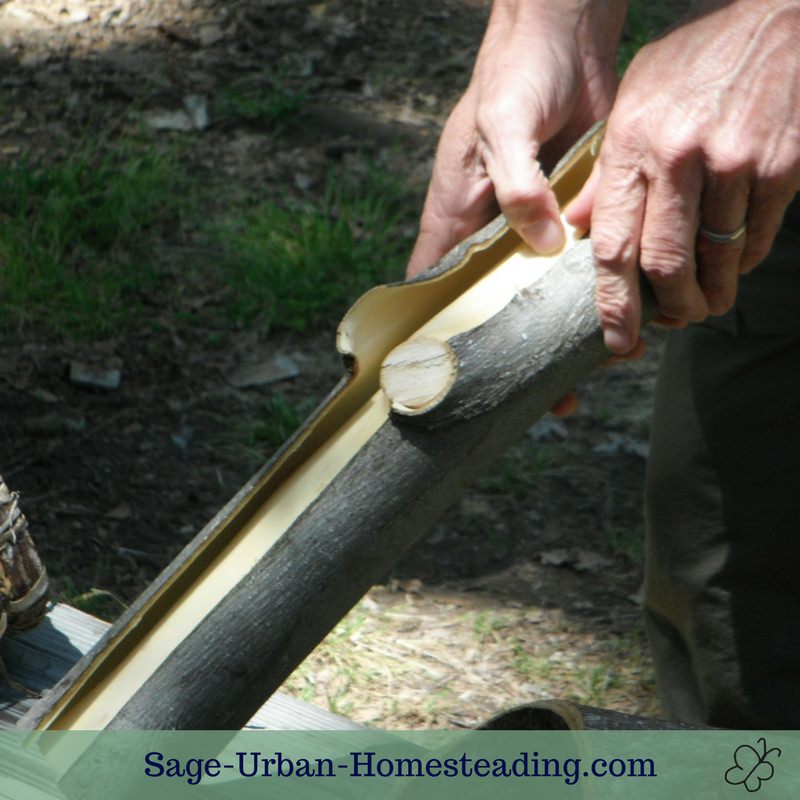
x=722 y=604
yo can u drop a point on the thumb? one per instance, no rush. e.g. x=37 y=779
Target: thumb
x=524 y=194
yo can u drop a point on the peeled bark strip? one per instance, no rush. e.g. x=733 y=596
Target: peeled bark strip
x=511 y=371
x=388 y=496
x=501 y=335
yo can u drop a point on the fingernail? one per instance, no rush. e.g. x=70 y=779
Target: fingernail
x=545 y=236
x=618 y=340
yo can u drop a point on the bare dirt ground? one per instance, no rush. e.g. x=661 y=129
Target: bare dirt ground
x=528 y=589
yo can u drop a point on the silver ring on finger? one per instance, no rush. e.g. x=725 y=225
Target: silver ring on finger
x=723 y=238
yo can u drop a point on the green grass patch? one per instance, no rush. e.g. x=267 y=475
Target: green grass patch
x=98 y=602
x=278 y=419
x=519 y=469
x=293 y=267
x=74 y=235
x=263 y=98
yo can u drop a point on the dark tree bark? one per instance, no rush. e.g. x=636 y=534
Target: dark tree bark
x=495 y=380
x=512 y=370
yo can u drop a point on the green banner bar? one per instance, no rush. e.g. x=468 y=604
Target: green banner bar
x=307 y=765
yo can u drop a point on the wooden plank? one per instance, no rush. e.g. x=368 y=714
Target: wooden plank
x=40 y=657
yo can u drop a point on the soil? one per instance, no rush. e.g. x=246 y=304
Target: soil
x=528 y=588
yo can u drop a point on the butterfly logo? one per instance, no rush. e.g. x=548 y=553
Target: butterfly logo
x=751 y=768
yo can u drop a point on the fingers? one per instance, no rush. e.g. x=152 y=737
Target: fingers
x=724 y=210
x=644 y=210
x=764 y=219
x=669 y=322
x=566 y=406
x=669 y=235
x=616 y=228
x=523 y=192
x=638 y=351
x=460 y=198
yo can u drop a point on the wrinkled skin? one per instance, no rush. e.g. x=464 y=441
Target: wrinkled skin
x=540 y=80
x=705 y=130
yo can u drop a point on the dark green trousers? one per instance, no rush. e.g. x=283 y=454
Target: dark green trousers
x=722 y=583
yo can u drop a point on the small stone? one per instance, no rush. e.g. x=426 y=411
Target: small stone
x=183 y=437
x=197 y=108
x=279 y=368
x=106 y=375
x=169 y=121
x=44 y=396
x=210 y=34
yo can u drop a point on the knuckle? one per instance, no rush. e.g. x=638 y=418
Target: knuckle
x=520 y=200
x=666 y=265
x=730 y=156
x=676 y=146
x=615 y=309
x=664 y=275
x=506 y=117
x=493 y=112
x=612 y=248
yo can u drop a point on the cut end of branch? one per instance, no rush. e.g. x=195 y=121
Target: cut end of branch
x=418 y=374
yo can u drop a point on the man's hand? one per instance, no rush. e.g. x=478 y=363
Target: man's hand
x=704 y=135
x=544 y=74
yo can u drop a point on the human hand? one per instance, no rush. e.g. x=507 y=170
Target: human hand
x=705 y=132
x=544 y=74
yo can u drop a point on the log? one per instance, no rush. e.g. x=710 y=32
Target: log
x=387 y=497
x=358 y=485
x=564 y=715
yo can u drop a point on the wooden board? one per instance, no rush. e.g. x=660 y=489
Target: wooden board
x=39 y=658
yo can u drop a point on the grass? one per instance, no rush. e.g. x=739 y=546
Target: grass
x=486 y=624
x=406 y=662
x=259 y=98
x=532 y=668
x=594 y=683
x=75 y=235
x=624 y=662
x=291 y=266
x=277 y=420
x=518 y=470
x=78 y=237
x=98 y=602
x=626 y=541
